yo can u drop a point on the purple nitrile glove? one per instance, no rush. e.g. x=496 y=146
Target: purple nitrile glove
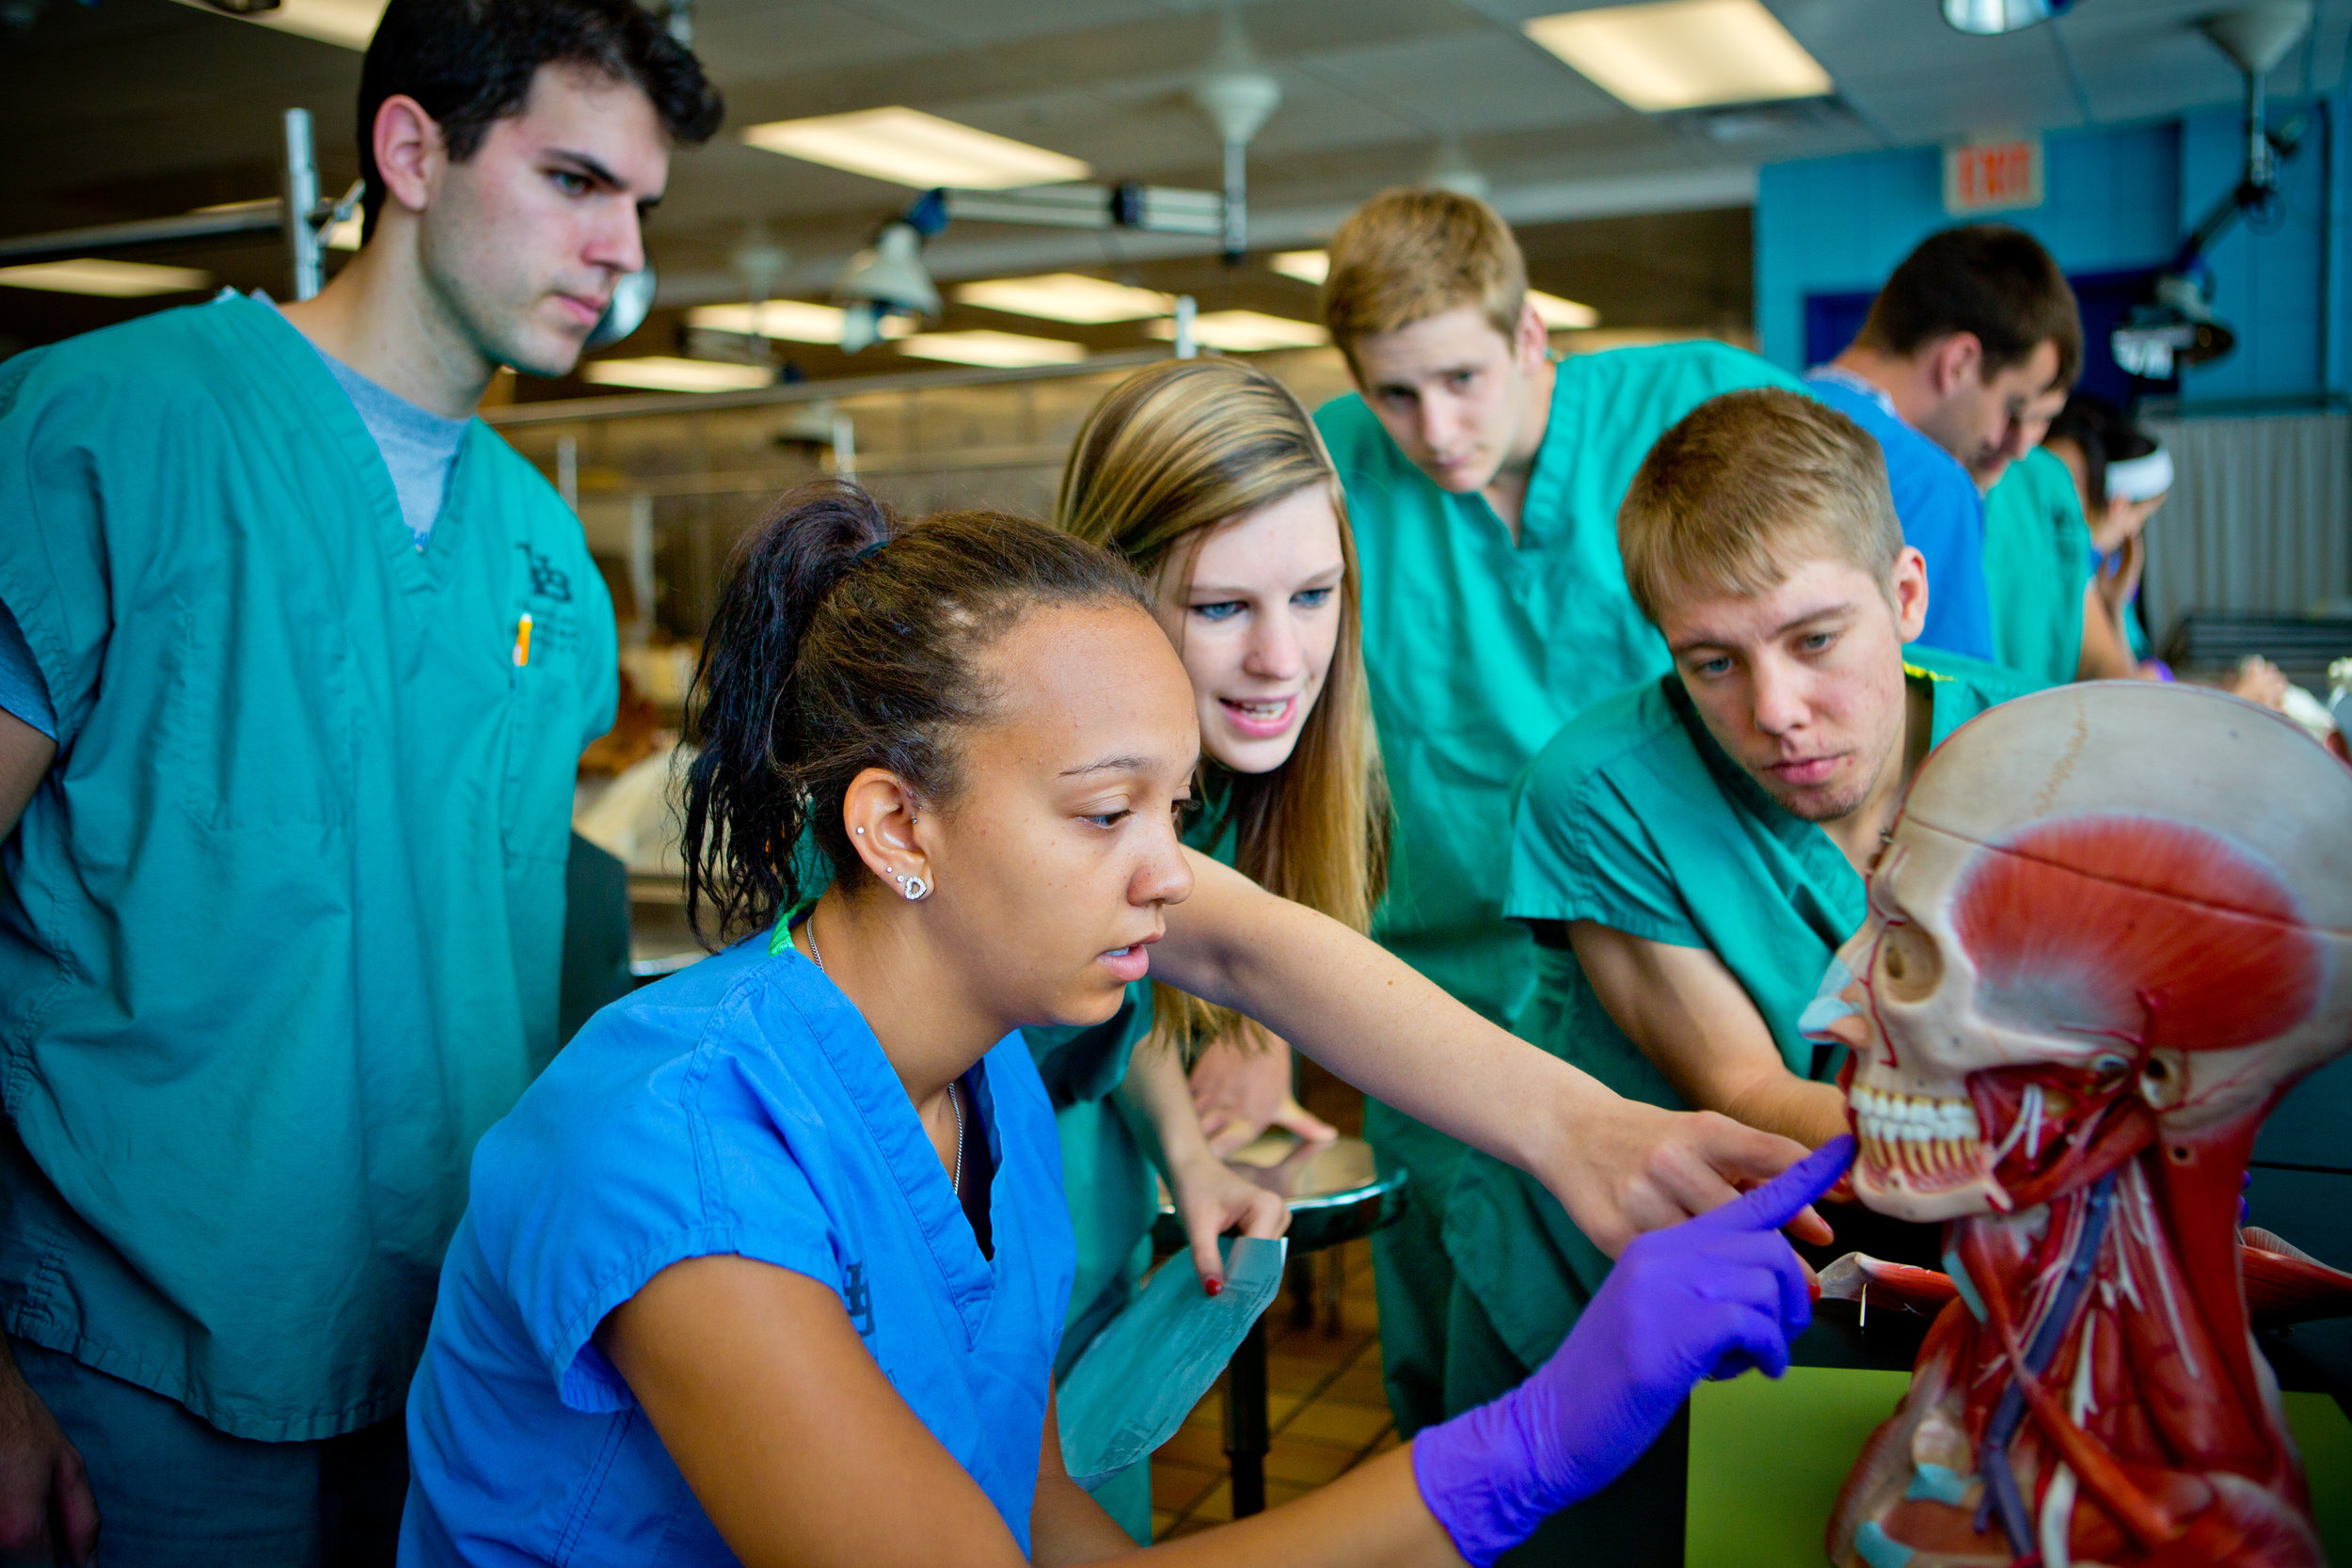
x=1711 y=1297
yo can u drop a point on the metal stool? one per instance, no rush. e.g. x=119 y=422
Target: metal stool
x=1335 y=1195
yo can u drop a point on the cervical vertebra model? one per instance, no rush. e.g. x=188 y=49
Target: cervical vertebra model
x=2113 y=925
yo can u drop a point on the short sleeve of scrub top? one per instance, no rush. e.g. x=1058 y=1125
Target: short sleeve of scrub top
x=1579 y=848
x=23 y=694
x=60 y=451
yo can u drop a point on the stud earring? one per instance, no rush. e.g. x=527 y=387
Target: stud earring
x=861 y=833
x=914 y=887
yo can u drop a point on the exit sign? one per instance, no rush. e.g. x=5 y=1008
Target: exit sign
x=1992 y=176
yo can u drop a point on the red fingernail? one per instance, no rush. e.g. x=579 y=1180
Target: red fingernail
x=1212 y=1285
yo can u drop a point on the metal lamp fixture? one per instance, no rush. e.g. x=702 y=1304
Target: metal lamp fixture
x=1987 y=17
x=1238 y=95
x=2175 y=326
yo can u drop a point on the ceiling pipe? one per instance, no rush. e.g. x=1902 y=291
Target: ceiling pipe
x=1238 y=95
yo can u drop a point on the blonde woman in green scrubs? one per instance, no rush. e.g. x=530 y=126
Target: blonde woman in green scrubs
x=1208 y=476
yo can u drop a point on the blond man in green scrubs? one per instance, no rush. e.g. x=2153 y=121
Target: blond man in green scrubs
x=1689 y=854
x=1482 y=477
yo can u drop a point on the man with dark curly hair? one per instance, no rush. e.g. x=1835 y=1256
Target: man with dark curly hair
x=295 y=655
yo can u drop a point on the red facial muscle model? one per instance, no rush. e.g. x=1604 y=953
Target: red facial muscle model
x=2111 y=928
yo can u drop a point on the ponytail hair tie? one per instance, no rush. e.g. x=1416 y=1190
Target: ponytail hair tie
x=868 y=552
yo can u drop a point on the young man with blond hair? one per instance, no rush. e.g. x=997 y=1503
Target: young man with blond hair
x=1690 y=853
x=1482 y=477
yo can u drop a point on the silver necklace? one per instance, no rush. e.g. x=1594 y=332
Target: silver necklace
x=955 y=1179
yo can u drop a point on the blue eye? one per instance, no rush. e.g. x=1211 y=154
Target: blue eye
x=1819 y=642
x=1107 y=818
x=1709 y=669
x=1224 y=610
x=570 y=183
x=1311 y=598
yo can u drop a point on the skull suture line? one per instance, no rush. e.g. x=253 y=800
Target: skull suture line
x=2112 y=926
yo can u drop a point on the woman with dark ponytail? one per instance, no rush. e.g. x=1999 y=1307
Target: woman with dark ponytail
x=770 y=1265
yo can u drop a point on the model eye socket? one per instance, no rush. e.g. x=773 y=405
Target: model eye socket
x=1908 y=964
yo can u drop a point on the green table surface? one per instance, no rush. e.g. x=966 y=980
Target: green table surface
x=1767 y=1459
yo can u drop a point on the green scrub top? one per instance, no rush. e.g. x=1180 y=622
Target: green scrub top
x=281 y=933
x=1634 y=818
x=1478 y=649
x=2037 y=563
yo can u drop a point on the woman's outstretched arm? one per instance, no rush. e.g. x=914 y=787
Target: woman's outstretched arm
x=1619 y=1167
x=803 y=1453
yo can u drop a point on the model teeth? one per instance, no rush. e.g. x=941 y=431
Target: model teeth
x=1928 y=1137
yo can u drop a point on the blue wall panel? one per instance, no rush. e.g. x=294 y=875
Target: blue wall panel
x=2114 y=200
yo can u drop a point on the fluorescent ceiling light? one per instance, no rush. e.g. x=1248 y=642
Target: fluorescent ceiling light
x=114 y=280
x=791 y=320
x=1308 y=266
x=348 y=23
x=794 y=321
x=1067 y=296
x=668 y=373
x=992 y=348
x=1246 y=331
x=912 y=147
x=1683 y=53
x=1561 y=315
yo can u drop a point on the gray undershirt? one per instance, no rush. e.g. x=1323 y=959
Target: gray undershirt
x=419 y=447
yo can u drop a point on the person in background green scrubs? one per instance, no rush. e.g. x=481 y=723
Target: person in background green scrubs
x=284 y=840
x=1482 y=477
x=2037 y=559
x=1690 y=853
x=2038 y=555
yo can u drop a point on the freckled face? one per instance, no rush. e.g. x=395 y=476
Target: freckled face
x=1803 y=685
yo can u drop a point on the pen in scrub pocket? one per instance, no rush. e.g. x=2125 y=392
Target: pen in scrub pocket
x=522 y=641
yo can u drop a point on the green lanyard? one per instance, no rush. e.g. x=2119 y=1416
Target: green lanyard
x=780 y=940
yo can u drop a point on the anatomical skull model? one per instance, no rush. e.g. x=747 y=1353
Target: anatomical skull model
x=2112 y=926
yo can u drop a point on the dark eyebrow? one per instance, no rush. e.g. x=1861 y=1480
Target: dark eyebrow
x=1110 y=765
x=593 y=168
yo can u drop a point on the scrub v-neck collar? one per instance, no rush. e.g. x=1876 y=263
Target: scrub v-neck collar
x=882 y=1103
x=322 y=398
x=1544 y=497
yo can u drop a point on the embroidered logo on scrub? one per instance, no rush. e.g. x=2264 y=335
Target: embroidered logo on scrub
x=858 y=1299
x=547 y=580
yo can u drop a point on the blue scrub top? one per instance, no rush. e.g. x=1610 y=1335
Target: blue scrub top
x=742 y=1107
x=1942 y=513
